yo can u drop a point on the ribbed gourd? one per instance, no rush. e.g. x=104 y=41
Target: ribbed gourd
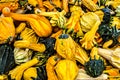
x=65 y=46
x=7 y=61
x=7 y=29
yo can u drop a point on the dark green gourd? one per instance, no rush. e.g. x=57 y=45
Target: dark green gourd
x=94 y=67
x=6 y=58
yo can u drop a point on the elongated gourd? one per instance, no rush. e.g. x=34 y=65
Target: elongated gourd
x=52 y=61
x=17 y=72
x=41 y=26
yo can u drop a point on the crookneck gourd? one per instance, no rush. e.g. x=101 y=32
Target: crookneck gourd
x=39 y=24
x=7 y=29
x=51 y=62
x=35 y=73
x=65 y=46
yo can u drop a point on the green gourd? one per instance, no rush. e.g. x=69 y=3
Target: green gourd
x=94 y=67
x=7 y=61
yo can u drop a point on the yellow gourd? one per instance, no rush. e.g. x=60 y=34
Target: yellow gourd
x=65 y=46
x=51 y=62
x=30 y=72
x=7 y=29
x=66 y=70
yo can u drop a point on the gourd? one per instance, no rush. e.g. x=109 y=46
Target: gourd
x=65 y=46
x=90 y=5
x=51 y=62
x=94 y=67
x=113 y=56
x=22 y=55
x=73 y=24
x=35 y=73
x=7 y=29
x=80 y=54
x=88 y=40
x=12 y=4
x=66 y=70
x=83 y=76
x=39 y=24
x=30 y=73
x=88 y=20
x=18 y=71
x=7 y=61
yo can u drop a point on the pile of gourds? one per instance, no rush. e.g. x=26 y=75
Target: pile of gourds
x=59 y=39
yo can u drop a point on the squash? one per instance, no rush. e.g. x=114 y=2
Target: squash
x=113 y=56
x=80 y=54
x=7 y=29
x=73 y=24
x=12 y=4
x=51 y=62
x=22 y=55
x=3 y=77
x=20 y=28
x=39 y=24
x=90 y=5
x=35 y=73
x=29 y=34
x=65 y=46
x=7 y=61
x=94 y=67
x=66 y=70
x=88 y=40
x=83 y=76
x=18 y=71
x=30 y=73
x=88 y=20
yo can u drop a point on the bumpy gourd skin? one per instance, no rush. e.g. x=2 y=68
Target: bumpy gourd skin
x=65 y=46
x=94 y=67
x=73 y=23
x=88 y=40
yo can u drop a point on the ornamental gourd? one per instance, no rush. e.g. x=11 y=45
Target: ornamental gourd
x=66 y=70
x=65 y=46
x=7 y=61
x=39 y=24
x=94 y=67
x=7 y=29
